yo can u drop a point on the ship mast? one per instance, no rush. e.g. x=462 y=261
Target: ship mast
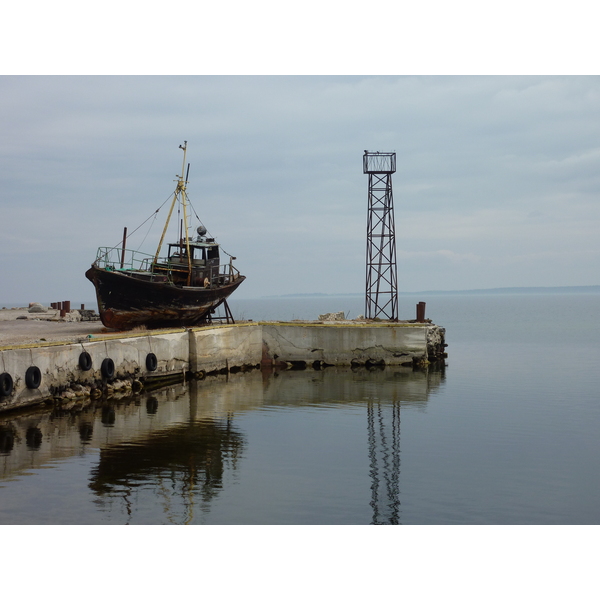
x=180 y=191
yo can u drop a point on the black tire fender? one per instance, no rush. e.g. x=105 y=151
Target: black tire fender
x=6 y=384
x=85 y=361
x=108 y=368
x=151 y=362
x=33 y=378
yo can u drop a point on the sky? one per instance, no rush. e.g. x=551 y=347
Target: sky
x=497 y=175
x=497 y=181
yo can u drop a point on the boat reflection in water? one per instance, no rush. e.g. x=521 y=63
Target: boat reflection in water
x=256 y=447
x=182 y=462
x=187 y=462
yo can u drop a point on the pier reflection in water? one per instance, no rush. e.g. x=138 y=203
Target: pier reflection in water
x=289 y=447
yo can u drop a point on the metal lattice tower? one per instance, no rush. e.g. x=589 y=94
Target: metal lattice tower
x=382 y=276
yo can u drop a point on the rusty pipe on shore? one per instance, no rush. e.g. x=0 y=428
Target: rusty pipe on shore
x=421 y=312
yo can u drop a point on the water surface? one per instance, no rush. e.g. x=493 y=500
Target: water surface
x=505 y=434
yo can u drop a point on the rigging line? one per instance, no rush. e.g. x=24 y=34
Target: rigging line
x=197 y=217
x=152 y=215
x=192 y=207
x=149 y=230
x=225 y=252
x=207 y=231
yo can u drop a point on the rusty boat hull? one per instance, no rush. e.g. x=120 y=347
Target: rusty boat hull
x=125 y=302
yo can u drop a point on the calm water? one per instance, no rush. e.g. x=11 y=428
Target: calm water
x=507 y=433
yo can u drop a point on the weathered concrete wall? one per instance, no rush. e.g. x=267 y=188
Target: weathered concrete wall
x=59 y=364
x=212 y=349
x=345 y=344
x=217 y=348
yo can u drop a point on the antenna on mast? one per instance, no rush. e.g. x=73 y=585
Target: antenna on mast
x=179 y=190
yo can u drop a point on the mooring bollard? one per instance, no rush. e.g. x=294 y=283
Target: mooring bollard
x=83 y=307
x=421 y=312
x=67 y=306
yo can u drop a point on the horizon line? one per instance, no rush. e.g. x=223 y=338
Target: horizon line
x=522 y=289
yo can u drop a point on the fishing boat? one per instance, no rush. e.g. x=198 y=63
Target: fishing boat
x=183 y=288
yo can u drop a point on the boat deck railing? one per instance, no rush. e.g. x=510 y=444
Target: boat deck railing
x=115 y=259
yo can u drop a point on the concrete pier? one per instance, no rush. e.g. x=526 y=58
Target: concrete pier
x=64 y=371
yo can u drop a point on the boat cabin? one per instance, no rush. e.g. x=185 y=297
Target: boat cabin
x=204 y=262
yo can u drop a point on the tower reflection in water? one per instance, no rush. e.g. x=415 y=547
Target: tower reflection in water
x=383 y=423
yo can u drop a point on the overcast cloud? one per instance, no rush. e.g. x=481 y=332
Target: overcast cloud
x=497 y=182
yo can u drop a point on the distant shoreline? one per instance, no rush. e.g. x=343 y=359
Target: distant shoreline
x=579 y=289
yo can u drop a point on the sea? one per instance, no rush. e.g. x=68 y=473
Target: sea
x=505 y=432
